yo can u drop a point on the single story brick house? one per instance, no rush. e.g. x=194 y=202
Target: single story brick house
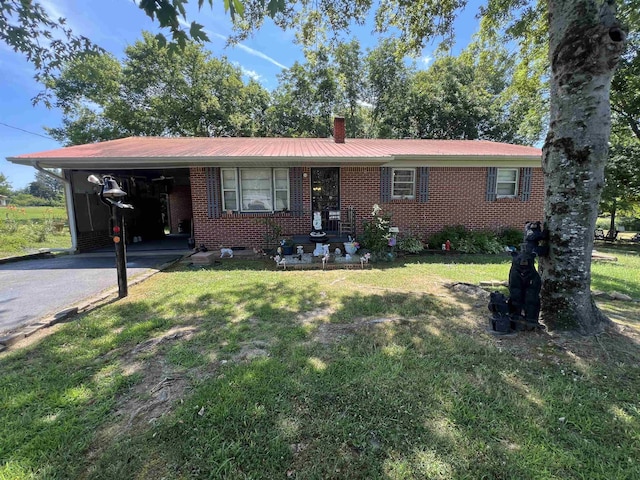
x=231 y=191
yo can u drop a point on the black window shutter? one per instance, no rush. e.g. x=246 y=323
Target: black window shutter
x=526 y=173
x=296 y=203
x=492 y=179
x=423 y=184
x=214 y=206
x=385 y=184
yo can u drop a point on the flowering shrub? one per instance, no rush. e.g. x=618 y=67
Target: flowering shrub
x=375 y=236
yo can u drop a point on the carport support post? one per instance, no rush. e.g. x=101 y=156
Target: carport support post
x=121 y=254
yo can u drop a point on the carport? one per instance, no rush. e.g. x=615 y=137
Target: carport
x=162 y=207
x=158 y=187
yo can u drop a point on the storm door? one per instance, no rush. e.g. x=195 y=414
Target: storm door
x=325 y=196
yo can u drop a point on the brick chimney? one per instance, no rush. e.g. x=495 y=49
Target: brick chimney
x=339 y=132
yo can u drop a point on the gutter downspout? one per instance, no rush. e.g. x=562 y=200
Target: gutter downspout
x=71 y=216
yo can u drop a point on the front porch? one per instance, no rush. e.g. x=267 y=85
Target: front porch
x=296 y=226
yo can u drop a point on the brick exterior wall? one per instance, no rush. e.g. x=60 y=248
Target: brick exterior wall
x=179 y=206
x=457 y=196
x=241 y=229
x=92 y=240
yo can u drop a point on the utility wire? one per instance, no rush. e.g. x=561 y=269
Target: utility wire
x=26 y=131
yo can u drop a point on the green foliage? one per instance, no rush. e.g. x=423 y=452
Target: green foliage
x=452 y=233
x=27 y=200
x=5 y=186
x=469 y=241
x=630 y=224
x=621 y=191
x=512 y=237
x=22 y=229
x=46 y=187
x=625 y=87
x=375 y=234
x=155 y=92
x=479 y=242
x=410 y=243
x=272 y=231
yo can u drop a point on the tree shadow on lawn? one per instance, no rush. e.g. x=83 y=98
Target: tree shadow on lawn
x=387 y=385
x=612 y=248
x=608 y=284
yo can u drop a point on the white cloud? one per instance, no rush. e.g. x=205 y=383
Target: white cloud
x=249 y=73
x=259 y=54
x=241 y=46
x=426 y=59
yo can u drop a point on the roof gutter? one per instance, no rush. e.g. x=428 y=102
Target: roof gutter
x=71 y=216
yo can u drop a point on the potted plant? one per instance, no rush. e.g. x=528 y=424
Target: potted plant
x=287 y=246
x=351 y=247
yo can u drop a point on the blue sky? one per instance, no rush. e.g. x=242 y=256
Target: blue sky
x=117 y=23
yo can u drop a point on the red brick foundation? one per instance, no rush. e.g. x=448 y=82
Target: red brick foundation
x=93 y=240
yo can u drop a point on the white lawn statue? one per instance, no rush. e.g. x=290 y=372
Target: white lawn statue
x=317 y=221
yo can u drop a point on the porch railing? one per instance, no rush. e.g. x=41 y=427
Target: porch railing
x=297 y=223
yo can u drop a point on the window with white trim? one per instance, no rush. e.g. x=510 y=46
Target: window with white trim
x=255 y=189
x=403 y=183
x=281 y=188
x=507 y=182
x=229 y=189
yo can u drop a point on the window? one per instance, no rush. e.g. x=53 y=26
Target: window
x=255 y=189
x=229 y=189
x=507 y=182
x=281 y=187
x=403 y=183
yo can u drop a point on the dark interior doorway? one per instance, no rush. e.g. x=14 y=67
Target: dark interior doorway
x=325 y=196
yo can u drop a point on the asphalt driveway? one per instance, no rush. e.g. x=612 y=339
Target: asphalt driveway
x=32 y=289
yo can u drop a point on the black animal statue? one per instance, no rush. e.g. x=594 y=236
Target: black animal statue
x=524 y=292
x=500 y=319
x=523 y=305
x=533 y=235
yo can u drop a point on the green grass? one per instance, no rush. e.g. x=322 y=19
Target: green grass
x=279 y=375
x=27 y=229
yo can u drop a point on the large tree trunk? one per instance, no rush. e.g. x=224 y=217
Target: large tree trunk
x=584 y=47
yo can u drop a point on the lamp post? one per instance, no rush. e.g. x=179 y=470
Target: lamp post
x=111 y=195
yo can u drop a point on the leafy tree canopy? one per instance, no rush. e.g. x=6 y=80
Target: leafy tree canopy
x=5 y=186
x=153 y=92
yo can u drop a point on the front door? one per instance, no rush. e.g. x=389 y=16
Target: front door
x=325 y=196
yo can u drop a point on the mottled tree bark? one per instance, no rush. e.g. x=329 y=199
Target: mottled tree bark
x=584 y=48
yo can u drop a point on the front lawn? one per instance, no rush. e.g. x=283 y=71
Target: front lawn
x=238 y=371
x=25 y=230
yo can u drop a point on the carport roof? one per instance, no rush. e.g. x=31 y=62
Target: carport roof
x=152 y=152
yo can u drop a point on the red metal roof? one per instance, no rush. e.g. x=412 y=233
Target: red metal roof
x=282 y=148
